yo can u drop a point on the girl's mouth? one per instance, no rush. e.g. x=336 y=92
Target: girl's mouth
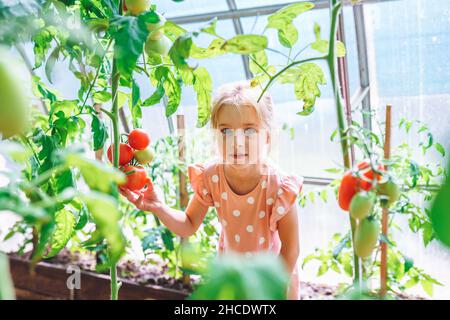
x=239 y=156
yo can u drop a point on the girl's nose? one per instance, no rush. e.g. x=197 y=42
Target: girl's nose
x=239 y=138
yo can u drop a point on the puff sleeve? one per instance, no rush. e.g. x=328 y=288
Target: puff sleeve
x=196 y=173
x=289 y=188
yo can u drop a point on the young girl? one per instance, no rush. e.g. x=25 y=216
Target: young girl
x=255 y=202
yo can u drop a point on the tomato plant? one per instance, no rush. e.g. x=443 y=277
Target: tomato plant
x=402 y=188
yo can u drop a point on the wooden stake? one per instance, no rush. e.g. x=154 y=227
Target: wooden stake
x=183 y=193
x=385 y=218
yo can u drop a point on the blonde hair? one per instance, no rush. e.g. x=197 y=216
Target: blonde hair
x=240 y=94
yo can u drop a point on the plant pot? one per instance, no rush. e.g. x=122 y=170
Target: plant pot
x=49 y=281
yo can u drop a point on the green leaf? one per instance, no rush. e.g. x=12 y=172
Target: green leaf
x=172 y=88
x=245 y=44
x=180 y=50
x=440 y=214
x=10 y=200
x=409 y=263
x=210 y=27
x=101 y=96
x=51 y=63
x=83 y=219
x=213 y=50
x=323 y=46
x=440 y=149
x=203 y=87
x=322 y=269
x=427 y=287
x=306 y=79
x=258 y=62
x=288 y=36
x=65 y=223
x=99 y=132
x=282 y=20
x=130 y=34
x=172 y=30
x=155 y=97
x=135 y=94
x=234 y=276
x=91 y=170
x=104 y=211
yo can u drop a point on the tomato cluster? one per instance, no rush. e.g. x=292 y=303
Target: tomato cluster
x=132 y=156
x=358 y=195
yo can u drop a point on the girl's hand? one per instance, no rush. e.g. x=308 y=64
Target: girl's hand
x=145 y=199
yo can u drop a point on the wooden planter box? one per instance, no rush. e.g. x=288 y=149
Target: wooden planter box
x=50 y=282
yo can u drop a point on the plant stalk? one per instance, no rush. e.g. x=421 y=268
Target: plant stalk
x=335 y=9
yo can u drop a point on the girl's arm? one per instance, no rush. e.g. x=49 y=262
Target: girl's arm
x=290 y=247
x=181 y=223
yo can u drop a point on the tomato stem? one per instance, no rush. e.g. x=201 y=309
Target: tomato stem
x=335 y=9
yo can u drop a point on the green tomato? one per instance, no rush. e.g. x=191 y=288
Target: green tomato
x=362 y=205
x=153 y=26
x=161 y=46
x=366 y=237
x=144 y=156
x=15 y=95
x=390 y=190
x=136 y=7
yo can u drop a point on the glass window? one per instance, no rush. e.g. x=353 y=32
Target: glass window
x=409 y=65
x=186 y=8
x=243 y=4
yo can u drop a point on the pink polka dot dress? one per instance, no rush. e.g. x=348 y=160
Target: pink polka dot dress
x=249 y=222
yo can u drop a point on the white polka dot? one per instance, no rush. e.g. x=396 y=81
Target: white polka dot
x=237 y=238
x=262 y=240
x=248 y=254
x=262 y=214
x=264 y=184
x=281 y=210
x=216 y=204
x=269 y=201
x=224 y=223
x=215 y=178
x=224 y=196
x=236 y=213
x=249 y=228
x=251 y=200
x=205 y=192
x=280 y=192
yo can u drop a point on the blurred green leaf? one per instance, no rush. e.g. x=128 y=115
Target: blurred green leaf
x=231 y=277
x=104 y=211
x=64 y=228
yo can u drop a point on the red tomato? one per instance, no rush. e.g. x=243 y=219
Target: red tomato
x=138 y=139
x=347 y=189
x=125 y=154
x=351 y=184
x=136 y=180
x=364 y=166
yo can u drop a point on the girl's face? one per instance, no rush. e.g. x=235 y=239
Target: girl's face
x=241 y=138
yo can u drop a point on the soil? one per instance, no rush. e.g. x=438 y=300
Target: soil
x=154 y=273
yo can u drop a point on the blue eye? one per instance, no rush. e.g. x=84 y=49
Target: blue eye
x=249 y=131
x=227 y=131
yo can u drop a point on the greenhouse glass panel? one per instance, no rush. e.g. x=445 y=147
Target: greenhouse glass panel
x=187 y=8
x=409 y=65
